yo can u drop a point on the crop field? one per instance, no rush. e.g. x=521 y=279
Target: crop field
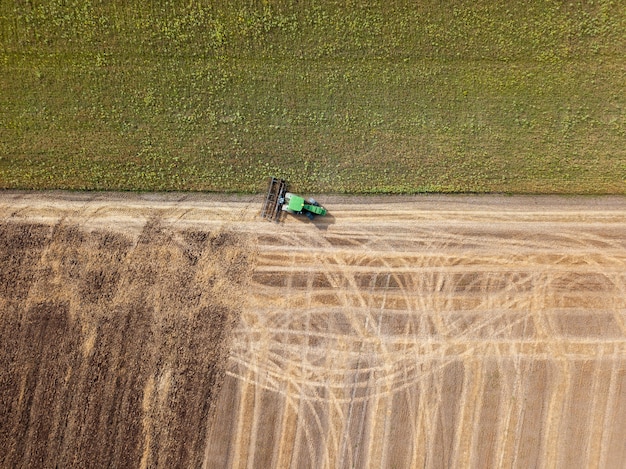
x=348 y=97
x=428 y=331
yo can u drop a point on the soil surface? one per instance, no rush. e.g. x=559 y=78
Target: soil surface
x=113 y=344
x=426 y=331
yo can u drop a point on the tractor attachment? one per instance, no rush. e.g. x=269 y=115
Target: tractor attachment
x=274 y=200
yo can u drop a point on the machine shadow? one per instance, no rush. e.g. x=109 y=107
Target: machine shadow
x=322 y=223
x=319 y=222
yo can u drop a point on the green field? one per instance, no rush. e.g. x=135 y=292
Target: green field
x=350 y=96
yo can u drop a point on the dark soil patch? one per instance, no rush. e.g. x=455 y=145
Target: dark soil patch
x=113 y=348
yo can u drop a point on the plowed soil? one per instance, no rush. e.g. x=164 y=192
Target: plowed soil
x=113 y=346
x=396 y=332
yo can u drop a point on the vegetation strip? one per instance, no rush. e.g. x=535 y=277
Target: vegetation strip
x=376 y=97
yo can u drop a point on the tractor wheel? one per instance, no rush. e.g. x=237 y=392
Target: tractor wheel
x=309 y=215
x=312 y=201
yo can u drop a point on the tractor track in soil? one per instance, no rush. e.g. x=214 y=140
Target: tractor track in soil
x=422 y=331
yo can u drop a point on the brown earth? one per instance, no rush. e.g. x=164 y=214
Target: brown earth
x=397 y=332
x=112 y=346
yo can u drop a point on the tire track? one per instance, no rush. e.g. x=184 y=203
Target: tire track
x=341 y=271
x=355 y=327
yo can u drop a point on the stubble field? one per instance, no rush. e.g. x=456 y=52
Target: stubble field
x=402 y=332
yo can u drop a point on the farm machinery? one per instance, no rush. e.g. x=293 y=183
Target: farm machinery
x=278 y=200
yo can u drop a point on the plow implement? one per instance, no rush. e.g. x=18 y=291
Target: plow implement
x=274 y=199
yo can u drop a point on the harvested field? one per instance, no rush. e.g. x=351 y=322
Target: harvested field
x=400 y=332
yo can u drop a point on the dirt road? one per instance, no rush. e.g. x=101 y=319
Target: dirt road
x=423 y=331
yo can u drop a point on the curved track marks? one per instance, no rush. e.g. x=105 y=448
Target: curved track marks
x=439 y=338
x=413 y=332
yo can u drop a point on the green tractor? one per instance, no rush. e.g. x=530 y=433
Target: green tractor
x=278 y=200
